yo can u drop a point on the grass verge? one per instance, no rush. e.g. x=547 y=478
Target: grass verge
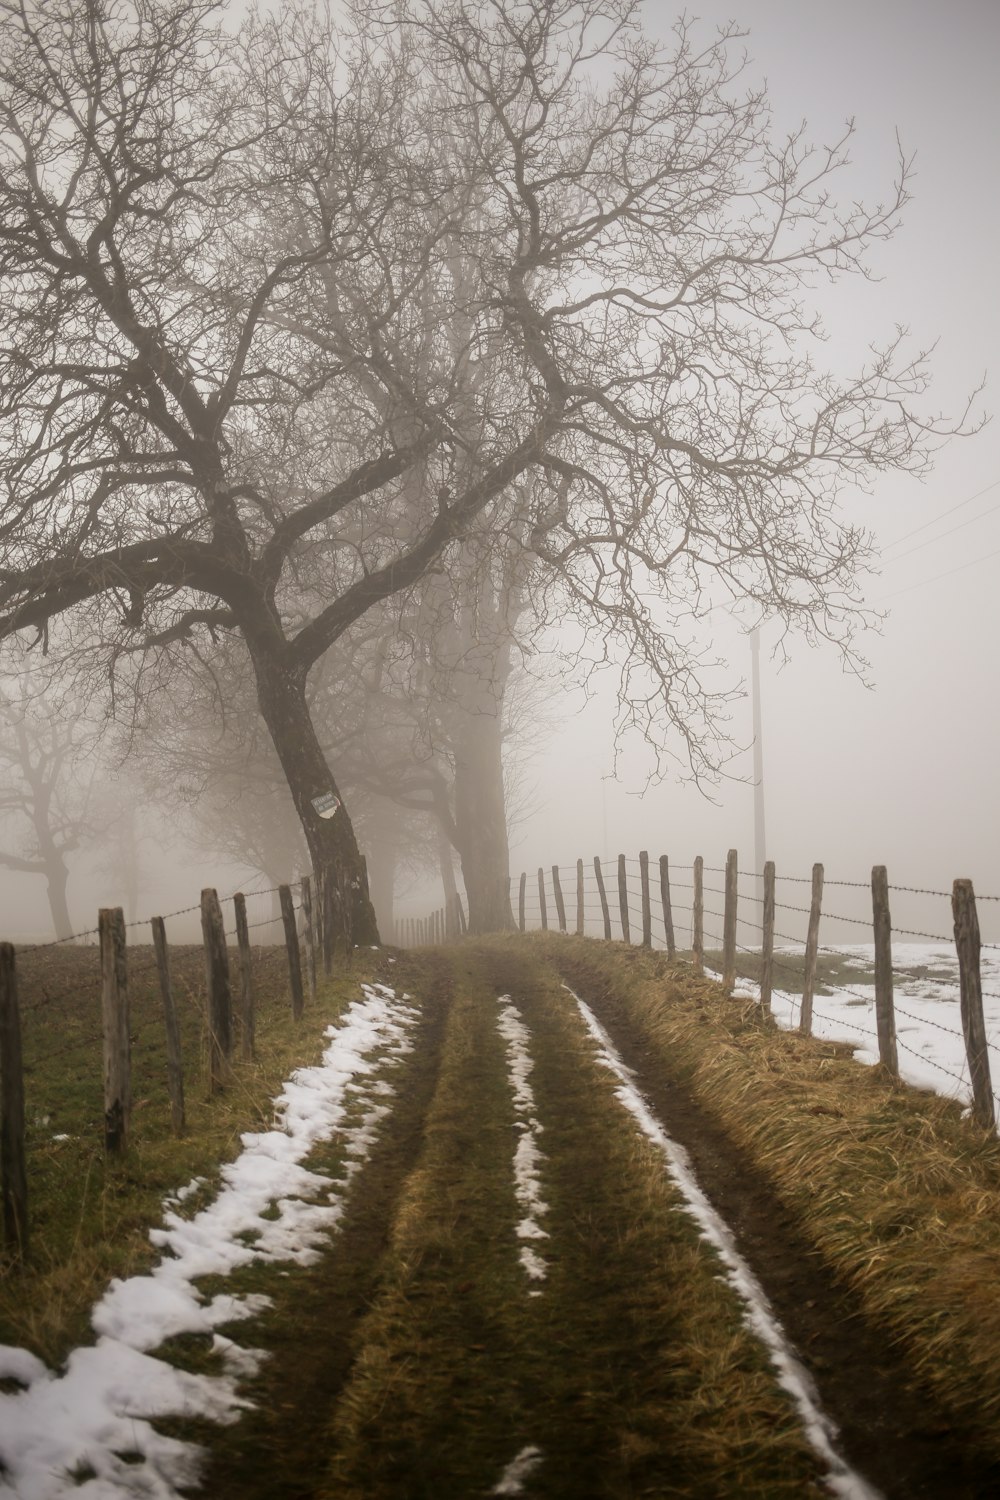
x=898 y=1193
x=90 y=1216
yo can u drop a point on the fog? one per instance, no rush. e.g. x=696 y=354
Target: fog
x=899 y=769
x=903 y=773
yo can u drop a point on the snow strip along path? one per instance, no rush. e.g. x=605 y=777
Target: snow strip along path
x=511 y=1481
x=759 y=1316
x=527 y=1156
x=87 y=1432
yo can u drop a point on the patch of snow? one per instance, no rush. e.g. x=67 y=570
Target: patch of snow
x=926 y=995
x=61 y=1428
x=511 y=1481
x=528 y=1157
x=759 y=1315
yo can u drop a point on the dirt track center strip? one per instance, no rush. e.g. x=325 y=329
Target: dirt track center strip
x=633 y=1373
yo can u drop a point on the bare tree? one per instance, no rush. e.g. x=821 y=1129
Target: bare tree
x=45 y=788
x=234 y=268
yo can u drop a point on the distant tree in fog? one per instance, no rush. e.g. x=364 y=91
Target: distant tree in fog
x=46 y=787
x=331 y=290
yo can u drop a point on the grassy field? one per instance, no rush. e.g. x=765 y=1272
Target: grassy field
x=422 y=1357
x=89 y=1217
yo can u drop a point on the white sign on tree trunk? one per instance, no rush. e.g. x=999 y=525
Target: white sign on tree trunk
x=326 y=804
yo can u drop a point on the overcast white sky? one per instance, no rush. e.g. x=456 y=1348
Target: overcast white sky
x=906 y=774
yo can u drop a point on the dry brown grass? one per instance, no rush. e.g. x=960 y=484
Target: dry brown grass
x=633 y=1371
x=899 y=1193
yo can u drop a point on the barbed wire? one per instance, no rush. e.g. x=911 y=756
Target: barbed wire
x=922 y=1057
x=71 y=937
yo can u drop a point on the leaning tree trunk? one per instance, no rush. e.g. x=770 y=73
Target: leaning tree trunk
x=333 y=849
x=481 y=818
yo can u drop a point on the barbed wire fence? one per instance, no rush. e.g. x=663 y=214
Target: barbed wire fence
x=659 y=903
x=117 y=1013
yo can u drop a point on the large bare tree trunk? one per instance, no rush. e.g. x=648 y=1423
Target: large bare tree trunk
x=481 y=818
x=382 y=839
x=333 y=848
x=56 y=876
x=445 y=856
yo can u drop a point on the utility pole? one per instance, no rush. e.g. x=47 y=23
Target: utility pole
x=759 y=847
x=604 y=810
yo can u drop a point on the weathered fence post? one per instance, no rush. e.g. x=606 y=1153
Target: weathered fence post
x=309 y=933
x=967 y=946
x=520 y=900
x=885 y=1018
x=326 y=907
x=175 y=1060
x=623 y=899
x=729 y=922
x=220 y=1020
x=115 y=1017
x=668 y=915
x=812 y=952
x=560 y=905
x=604 y=898
x=248 y=1019
x=292 y=948
x=698 y=917
x=541 y=899
x=647 y=914
x=13 y=1171
x=767 y=939
x=580 y=921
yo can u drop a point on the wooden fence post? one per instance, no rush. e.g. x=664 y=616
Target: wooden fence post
x=520 y=900
x=115 y=1017
x=292 y=949
x=541 y=899
x=767 y=939
x=606 y=914
x=326 y=907
x=729 y=922
x=13 y=1171
x=647 y=914
x=580 y=921
x=698 y=917
x=967 y=945
x=623 y=899
x=220 y=1019
x=248 y=1019
x=175 y=1059
x=885 y=1018
x=812 y=952
x=668 y=916
x=560 y=905
x=309 y=933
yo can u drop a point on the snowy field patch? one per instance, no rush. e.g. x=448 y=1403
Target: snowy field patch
x=527 y=1155
x=930 y=1045
x=87 y=1432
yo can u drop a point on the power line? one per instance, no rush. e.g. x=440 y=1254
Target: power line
x=943 y=516
x=924 y=582
x=933 y=540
